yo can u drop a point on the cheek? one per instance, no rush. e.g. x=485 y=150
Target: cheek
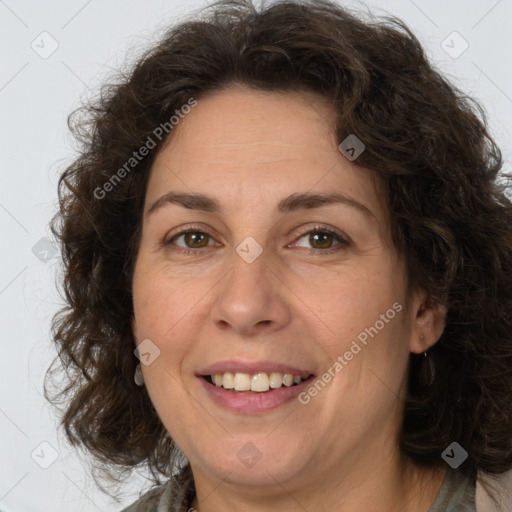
x=367 y=341
x=156 y=318
x=358 y=304
x=154 y=312
x=167 y=311
x=159 y=302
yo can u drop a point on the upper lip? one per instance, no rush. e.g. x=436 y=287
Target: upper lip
x=252 y=368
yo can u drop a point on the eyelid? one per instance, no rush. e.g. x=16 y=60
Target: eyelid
x=343 y=239
x=324 y=228
x=189 y=228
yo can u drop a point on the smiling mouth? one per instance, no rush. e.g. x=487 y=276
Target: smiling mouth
x=261 y=382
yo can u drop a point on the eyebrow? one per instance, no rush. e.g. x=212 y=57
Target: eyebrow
x=294 y=202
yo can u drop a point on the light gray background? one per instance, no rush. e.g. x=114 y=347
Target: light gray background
x=36 y=95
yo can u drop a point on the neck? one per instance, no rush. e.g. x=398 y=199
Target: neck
x=387 y=483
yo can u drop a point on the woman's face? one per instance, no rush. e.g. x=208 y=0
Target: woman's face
x=252 y=291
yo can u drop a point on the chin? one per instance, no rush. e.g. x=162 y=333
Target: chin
x=256 y=462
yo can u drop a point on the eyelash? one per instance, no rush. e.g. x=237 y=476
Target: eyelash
x=343 y=243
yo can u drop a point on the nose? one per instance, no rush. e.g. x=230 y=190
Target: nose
x=251 y=299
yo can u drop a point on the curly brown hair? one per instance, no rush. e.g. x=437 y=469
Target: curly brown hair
x=429 y=144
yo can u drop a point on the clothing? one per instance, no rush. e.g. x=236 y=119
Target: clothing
x=174 y=496
x=458 y=493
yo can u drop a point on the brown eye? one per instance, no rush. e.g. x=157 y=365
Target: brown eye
x=196 y=239
x=320 y=240
x=191 y=239
x=323 y=240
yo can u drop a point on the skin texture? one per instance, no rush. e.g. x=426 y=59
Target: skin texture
x=293 y=305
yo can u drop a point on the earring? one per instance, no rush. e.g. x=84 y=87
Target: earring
x=138 y=377
x=428 y=370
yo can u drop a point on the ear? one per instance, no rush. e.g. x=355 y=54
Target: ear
x=428 y=324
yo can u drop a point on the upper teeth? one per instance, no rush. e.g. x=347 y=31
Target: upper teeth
x=259 y=382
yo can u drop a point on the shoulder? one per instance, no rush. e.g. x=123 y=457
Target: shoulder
x=175 y=495
x=150 y=501
x=500 y=486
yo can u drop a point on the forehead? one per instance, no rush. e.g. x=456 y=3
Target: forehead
x=238 y=125
x=244 y=145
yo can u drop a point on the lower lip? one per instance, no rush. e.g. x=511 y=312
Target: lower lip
x=247 y=402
